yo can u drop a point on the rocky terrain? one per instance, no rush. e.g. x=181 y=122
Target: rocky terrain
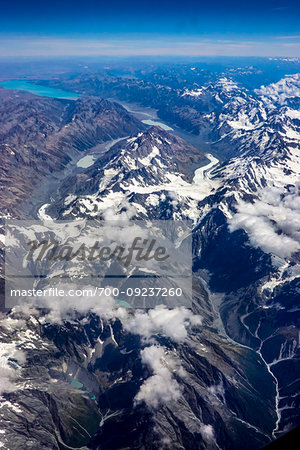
x=154 y=161
x=40 y=136
x=196 y=104
x=223 y=374
x=76 y=381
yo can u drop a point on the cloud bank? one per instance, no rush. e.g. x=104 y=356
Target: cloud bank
x=281 y=91
x=271 y=222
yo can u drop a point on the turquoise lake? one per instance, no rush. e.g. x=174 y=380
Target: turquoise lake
x=43 y=91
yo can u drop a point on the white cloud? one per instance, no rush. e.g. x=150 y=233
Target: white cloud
x=10 y=359
x=161 y=387
x=207 y=432
x=271 y=222
x=173 y=323
x=65 y=308
x=12 y=324
x=281 y=91
x=217 y=390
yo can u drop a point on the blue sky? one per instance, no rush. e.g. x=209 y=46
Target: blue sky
x=188 y=27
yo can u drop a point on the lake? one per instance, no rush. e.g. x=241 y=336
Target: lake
x=86 y=161
x=147 y=115
x=36 y=89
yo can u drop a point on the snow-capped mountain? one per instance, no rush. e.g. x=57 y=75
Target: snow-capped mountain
x=223 y=374
x=258 y=204
x=145 y=170
x=250 y=202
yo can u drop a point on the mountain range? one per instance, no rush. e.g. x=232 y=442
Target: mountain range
x=222 y=374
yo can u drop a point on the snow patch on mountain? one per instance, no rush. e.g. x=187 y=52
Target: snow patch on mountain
x=193 y=93
x=181 y=190
x=227 y=84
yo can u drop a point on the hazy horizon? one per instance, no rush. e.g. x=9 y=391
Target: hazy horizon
x=38 y=46
x=190 y=28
